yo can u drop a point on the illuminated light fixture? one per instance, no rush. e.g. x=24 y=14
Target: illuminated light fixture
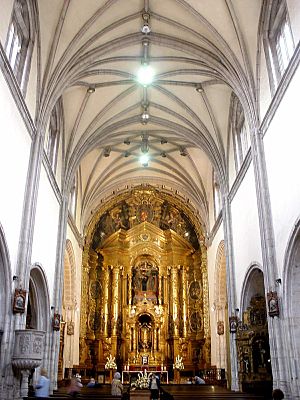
x=146 y=29
x=145 y=75
x=145 y=117
x=199 y=88
x=91 y=89
x=144 y=159
x=187 y=234
x=144 y=144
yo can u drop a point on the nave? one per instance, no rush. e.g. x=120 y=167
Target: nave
x=179 y=392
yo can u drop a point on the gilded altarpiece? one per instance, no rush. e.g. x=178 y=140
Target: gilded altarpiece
x=144 y=285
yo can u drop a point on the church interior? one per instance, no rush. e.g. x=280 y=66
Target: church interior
x=149 y=208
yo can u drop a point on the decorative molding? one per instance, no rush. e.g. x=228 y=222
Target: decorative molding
x=75 y=231
x=240 y=176
x=281 y=89
x=16 y=92
x=51 y=178
x=215 y=228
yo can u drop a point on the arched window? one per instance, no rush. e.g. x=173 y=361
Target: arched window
x=53 y=137
x=20 y=42
x=278 y=41
x=241 y=140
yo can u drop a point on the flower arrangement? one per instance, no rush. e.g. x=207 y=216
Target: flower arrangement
x=110 y=364
x=178 y=363
x=142 y=381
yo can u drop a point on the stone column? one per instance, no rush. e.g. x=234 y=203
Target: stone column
x=278 y=349
x=231 y=290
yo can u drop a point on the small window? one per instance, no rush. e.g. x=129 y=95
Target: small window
x=19 y=44
x=278 y=40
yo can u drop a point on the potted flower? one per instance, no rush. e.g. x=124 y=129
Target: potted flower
x=111 y=365
x=178 y=366
x=140 y=387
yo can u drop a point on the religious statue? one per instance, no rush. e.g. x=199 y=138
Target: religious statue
x=145 y=336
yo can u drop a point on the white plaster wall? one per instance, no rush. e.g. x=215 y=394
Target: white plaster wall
x=282 y=145
x=211 y=269
x=14 y=155
x=245 y=229
x=6 y=10
x=45 y=230
x=78 y=260
x=294 y=16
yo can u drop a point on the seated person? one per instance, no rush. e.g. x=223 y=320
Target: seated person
x=199 y=380
x=91 y=383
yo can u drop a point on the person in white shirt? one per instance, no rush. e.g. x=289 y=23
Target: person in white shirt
x=42 y=388
x=154 y=386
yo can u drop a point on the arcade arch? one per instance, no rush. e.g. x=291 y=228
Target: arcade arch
x=291 y=302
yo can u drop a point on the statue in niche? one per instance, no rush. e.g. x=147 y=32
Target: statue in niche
x=145 y=336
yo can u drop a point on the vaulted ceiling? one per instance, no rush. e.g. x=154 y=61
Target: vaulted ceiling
x=201 y=51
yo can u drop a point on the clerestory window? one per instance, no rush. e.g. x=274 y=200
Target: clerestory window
x=19 y=42
x=278 y=41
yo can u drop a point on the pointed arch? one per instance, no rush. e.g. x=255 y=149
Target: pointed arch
x=290 y=306
x=253 y=285
x=5 y=296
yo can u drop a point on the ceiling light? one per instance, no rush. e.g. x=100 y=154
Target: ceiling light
x=145 y=117
x=126 y=154
x=163 y=141
x=145 y=75
x=163 y=154
x=199 y=88
x=146 y=29
x=107 y=151
x=144 y=159
x=144 y=144
x=127 y=141
x=183 y=151
x=91 y=89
